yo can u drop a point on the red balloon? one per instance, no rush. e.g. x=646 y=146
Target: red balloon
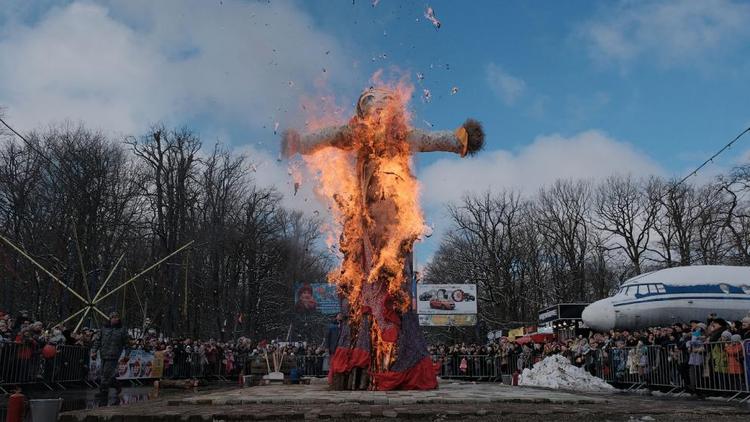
x=49 y=351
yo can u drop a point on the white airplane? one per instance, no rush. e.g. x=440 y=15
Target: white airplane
x=672 y=295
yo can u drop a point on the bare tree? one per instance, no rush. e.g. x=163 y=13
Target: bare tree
x=562 y=215
x=626 y=213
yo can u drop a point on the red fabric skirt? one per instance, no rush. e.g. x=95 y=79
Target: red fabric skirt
x=421 y=376
x=339 y=362
x=359 y=358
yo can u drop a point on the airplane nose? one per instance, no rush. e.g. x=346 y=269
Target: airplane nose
x=599 y=315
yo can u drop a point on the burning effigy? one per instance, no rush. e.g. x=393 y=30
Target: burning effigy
x=374 y=197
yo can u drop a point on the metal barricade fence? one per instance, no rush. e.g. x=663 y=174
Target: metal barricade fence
x=476 y=367
x=312 y=365
x=624 y=365
x=187 y=365
x=712 y=367
x=665 y=367
x=70 y=364
x=718 y=366
x=20 y=363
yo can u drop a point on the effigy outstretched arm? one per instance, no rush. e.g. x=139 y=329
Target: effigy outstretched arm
x=467 y=139
x=334 y=136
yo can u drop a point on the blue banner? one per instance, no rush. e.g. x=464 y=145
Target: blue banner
x=316 y=297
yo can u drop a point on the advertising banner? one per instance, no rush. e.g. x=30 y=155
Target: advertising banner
x=516 y=332
x=447 y=320
x=447 y=299
x=136 y=364
x=547 y=315
x=316 y=297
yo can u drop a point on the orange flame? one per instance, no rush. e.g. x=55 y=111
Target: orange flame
x=374 y=199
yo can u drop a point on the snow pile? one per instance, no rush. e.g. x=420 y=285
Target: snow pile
x=556 y=372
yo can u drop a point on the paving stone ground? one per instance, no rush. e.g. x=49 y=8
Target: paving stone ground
x=453 y=400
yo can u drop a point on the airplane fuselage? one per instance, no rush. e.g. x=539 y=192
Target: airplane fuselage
x=673 y=295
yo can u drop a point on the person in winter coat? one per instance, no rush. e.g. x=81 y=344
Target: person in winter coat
x=696 y=359
x=719 y=358
x=619 y=356
x=734 y=361
x=634 y=359
x=110 y=343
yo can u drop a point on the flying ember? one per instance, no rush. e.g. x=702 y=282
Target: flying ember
x=364 y=170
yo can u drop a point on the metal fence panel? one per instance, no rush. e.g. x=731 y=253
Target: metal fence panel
x=312 y=365
x=70 y=364
x=712 y=367
x=20 y=364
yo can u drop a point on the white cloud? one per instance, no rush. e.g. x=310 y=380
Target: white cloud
x=670 y=32
x=123 y=66
x=509 y=88
x=269 y=172
x=588 y=155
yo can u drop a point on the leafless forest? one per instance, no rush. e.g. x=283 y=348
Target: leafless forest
x=77 y=200
x=578 y=240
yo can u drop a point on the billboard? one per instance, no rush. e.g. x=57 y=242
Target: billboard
x=447 y=320
x=136 y=364
x=316 y=297
x=446 y=299
x=560 y=311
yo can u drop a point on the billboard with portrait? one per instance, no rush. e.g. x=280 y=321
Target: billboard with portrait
x=133 y=364
x=316 y=297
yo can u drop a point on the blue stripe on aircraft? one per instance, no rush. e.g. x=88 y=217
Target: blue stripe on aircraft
x=702 y=288
x=660 y=299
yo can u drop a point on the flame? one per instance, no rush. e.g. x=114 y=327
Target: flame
x=374 y=199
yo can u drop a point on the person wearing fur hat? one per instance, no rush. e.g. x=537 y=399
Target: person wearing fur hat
x=110 y=343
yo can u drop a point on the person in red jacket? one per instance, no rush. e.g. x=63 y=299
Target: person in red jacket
x=735 y=356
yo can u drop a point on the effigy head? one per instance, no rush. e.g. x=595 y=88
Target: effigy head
x=373 y=100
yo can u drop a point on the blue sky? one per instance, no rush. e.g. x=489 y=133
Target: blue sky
x=564 y=89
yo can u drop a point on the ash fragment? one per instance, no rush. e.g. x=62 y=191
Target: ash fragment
x=429 y=13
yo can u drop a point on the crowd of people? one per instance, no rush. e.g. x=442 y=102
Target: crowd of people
x=681 y=353
x=182 y=357
x=24 y=329
x=694 y=354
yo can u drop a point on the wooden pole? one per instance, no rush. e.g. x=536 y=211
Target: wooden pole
x=74 y=315
x=80 y=261
x=112 y=271
x=83 y=318
x=27 y=256
x=154 y=265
